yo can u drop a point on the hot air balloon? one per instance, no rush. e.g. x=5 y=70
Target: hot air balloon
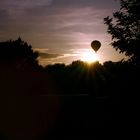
x=95 y=45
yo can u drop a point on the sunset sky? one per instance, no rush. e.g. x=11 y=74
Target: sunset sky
x=61 y=30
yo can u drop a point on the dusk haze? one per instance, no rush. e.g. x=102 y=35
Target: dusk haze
x=61 y=30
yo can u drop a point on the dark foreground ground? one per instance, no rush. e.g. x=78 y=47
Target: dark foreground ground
x=66 y=117
x=42 y=105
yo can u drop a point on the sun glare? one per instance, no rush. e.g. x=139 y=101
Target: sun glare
x=89 y=57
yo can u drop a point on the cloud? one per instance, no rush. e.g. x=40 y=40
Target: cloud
x=44 y=54
x=43 y=50
x=25 y=3
x=48 y=55
x=79 y=51
x=58 y=25
x=52 y=58
x=3 y=13
x=83 y=3
x=68 y=27
x=17 y=8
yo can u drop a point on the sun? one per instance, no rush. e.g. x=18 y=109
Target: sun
x=89 y=57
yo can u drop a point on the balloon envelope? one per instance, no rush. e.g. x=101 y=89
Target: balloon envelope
x=95 y=45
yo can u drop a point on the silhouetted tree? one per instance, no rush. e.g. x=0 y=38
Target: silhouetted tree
x=124 y=27
x=17 y=51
